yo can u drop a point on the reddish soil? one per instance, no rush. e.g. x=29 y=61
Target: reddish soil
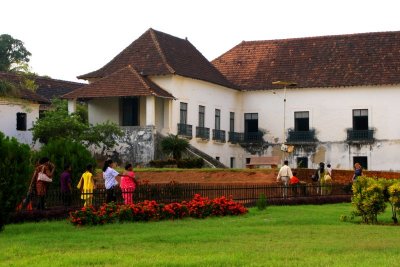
x=248 y=176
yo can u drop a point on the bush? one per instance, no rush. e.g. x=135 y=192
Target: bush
x=368 y=199
x=15 y=174
x=198 y=207
x=62 y=151
x=262 y=202
x=190 y=163
x=196 y=163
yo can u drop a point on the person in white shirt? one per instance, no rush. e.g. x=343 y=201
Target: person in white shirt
x=110 y=182
x=284 y=175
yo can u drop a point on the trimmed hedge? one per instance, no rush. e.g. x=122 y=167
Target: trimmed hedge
x=183 y=163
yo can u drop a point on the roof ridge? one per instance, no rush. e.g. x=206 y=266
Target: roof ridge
x=157 y=44
x=141 y=78
x=315 y=37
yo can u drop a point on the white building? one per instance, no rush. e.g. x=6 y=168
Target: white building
x=21 y=108
x=341 y=110
x=18 y=110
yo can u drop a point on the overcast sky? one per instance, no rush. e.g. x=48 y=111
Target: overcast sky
x=68 y=38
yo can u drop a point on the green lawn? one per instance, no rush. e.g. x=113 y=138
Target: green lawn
x=279 y=236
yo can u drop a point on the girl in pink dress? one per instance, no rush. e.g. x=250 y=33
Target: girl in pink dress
x=128 y=184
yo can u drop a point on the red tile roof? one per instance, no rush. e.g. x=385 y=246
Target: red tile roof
x=158 y=53
x=326 y=61
x=124 y=82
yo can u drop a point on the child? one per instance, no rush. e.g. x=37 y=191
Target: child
x=294 y=180
x=128 y=184
x=86 y=185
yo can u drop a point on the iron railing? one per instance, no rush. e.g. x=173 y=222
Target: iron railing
x=246 y=137
x=177 y=192
x=203 y=133
x=360 y=135
x=185 y=130
x=218 y=135
x=301 y=136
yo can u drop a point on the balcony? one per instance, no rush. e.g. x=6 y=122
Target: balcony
x=360 y=136
x=203 y=133
x=219 y=136
x=247 y=137
x=301 y=136
x=185 y=130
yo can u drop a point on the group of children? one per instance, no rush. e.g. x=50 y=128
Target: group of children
x=87 y=184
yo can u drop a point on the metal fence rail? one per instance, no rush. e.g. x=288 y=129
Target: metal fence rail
x=167 y=193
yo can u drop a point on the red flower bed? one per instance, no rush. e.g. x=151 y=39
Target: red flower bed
x=198 y=207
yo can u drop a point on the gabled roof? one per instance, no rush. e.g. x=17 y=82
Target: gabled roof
x=124 y=82
x=326 y=61
x=158 y=53
x=53 y=88
x=22 y=92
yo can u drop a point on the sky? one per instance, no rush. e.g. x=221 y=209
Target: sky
x=68 y=38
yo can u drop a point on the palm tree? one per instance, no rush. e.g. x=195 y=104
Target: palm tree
x=175 y=145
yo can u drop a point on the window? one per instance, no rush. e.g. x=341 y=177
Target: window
x=201 y=116
x=232 y=161
x=232 y=121
x=360 y=119
x=21 y=121
x=217 y=158
x=130 y=111
x=363 y=161
x=247 y=160
x=251 y=122
x=302 y=162
x=41 y=114
x=183 y=113
x=301 y=121
x=217 y=119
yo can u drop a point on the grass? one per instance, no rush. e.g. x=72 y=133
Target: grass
x=278 y=236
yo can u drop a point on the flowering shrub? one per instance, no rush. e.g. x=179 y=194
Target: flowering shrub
x=198 y=207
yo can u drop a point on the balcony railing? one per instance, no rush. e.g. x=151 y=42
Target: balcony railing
x=235 y=137
x=301 y=136
x=219 y=135
x=185 y=130
x=360 y=135
x=203 y=133
x=247 y=137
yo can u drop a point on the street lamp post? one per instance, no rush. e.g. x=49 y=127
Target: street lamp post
x=285 y=84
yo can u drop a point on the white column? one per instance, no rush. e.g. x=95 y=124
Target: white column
x=71 y=106
x=167 y=116
x=150 y=110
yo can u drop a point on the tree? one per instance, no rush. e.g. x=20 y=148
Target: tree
x=57 y=123
x=175 y=145
x=13 y=54
x=15 y=173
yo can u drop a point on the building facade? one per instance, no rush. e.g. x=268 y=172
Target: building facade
x=340 y=111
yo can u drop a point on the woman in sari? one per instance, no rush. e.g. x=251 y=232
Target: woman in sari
x=128 y=184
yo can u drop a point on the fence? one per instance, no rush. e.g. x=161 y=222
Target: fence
x=246 y=194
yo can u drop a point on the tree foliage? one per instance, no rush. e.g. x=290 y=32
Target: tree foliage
x=13 y=54
x=174 y=145
x=15 y=174
x=57 y=123
x=63 y=151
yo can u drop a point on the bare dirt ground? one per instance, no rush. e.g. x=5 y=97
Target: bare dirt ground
x=207 y=177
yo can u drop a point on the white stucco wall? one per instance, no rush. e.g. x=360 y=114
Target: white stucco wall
x=8 y=122
x=330 y=111
x=104 y=109
x=195 y=93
